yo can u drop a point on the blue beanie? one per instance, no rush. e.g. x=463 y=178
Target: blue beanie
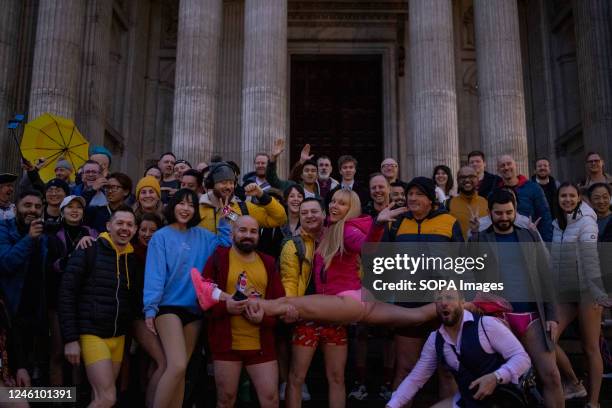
x=97 y=149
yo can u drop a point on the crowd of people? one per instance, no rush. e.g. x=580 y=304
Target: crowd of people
x=259 y=272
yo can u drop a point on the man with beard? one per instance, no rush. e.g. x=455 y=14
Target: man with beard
x=530 y=199
x=521 y=262
x=467 y=205
x=220 y=184
x=7 y=188
x=326 y=181
x=479 y=351
x=94 y=305
x=422 y=223
x=398 y=194
x=548 y=183
x=240 y=335
x=23 y=252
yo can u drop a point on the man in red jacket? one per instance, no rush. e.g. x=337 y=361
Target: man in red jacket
x=240 y=335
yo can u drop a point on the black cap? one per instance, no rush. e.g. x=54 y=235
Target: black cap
x=426 y=185
x=58 y=183
x=7 y=178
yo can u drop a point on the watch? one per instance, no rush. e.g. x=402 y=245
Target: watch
x=498 y=377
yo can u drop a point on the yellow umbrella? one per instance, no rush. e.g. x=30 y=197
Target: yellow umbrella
x=52 y=138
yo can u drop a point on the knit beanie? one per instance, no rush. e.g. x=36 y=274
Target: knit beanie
x=148 y=181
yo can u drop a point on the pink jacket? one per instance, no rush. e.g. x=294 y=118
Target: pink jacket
x=343 y=273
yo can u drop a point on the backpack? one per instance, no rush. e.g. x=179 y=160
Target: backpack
x=300 y=248
x=244 y=209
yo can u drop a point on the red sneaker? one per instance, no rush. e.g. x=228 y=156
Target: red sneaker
x=204 y=289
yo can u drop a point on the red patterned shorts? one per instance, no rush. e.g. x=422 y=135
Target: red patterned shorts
x=310 y=334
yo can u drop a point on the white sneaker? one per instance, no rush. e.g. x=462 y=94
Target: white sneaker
x=359 y=392
x=305 y=393
x=281 y=391
x=385 y=392
x=571 y=391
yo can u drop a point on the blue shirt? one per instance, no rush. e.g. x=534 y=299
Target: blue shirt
x=170 y=257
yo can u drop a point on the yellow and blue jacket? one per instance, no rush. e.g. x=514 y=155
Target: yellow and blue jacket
x=438 y=226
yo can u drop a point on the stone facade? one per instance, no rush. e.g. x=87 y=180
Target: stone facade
x=531 y=78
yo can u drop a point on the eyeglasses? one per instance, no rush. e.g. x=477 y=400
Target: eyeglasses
x=91 y=172
x=594 y=161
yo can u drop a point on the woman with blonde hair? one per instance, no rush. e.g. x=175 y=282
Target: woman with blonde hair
x=336 y=266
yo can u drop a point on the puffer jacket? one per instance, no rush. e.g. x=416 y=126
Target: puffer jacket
x=574 y=253
x=94 y=299
x=344 y=271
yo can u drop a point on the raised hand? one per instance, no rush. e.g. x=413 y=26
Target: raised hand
x=277 y=148
x=305 y=153
x=253 y=190
x=388 y=214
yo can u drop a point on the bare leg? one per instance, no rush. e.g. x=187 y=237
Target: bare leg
x=545 y=365
x=151 y=344
x=345 y=310
x=178 y=343
x=227 y=375
x=567 y=313
x=301 y=358
x=102 y=375
x=335 y=363
x=265 y=380
x=589 y=318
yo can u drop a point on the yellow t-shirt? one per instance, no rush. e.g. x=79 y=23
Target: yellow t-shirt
x=245 y=335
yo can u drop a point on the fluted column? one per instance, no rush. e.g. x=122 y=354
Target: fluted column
x=229 y=114
x=9 y=37
x=264 y=91
x=503 y=129
x=95 y=76
x=594 y=57
x=433 y=99
x=196 y=89
x=57 y=58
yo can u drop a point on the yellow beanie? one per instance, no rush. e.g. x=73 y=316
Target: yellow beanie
x=148 y=181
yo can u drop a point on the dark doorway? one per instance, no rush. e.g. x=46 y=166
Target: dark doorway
x=336 y=106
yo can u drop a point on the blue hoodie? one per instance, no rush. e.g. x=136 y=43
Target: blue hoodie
x=170 y=256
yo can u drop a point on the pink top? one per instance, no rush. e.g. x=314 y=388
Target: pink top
x=502 y=342
x=343 y=273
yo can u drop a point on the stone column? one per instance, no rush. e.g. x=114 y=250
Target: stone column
x=196 y=90
x=57 y=58
x=594 y=58
x=9 y=38
x=433 y=99
x=264 y=90
x=503 y=129
x=95 y=76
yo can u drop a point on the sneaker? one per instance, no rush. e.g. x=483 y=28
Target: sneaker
x=385 y=392
x=571 y=391
x=359 y=392
x=305 y=393
x=281 y=391
x=204 y=289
